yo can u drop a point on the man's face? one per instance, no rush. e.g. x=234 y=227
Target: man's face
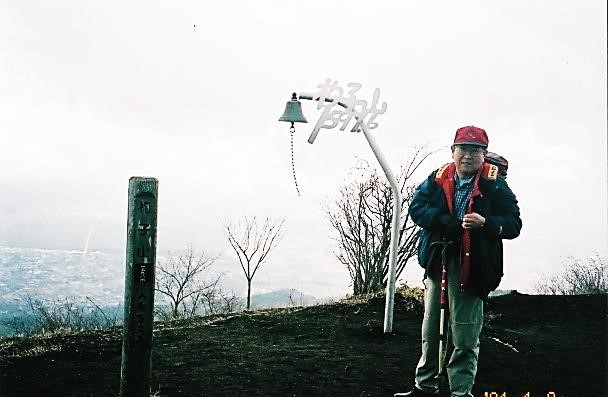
x=468 y=159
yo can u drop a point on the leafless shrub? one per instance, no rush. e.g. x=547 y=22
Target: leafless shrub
x=187 y=290
x=223 y=303
x=362 y=218
x=61 y=316
x=580 y=276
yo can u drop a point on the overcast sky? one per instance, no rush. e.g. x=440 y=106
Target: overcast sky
x=189 y=92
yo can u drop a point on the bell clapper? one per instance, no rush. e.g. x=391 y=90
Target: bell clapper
x=292 y=129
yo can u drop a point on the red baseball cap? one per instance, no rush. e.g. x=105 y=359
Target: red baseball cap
x=471 y=135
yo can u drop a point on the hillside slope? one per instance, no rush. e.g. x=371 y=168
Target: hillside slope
x=533 y=344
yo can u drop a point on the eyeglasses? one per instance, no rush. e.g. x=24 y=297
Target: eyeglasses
x=470 y=149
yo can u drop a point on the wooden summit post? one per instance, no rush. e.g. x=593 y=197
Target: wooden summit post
x=139 y=287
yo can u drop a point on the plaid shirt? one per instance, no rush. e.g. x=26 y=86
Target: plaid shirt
x=462 y=194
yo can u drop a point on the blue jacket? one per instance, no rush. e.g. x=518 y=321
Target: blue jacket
x=497 y=204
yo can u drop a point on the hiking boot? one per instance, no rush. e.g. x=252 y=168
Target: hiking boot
x=416 y=393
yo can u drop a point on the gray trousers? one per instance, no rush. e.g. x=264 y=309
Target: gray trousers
x=465 y=322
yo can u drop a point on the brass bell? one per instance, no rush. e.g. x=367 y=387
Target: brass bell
x=293 y=111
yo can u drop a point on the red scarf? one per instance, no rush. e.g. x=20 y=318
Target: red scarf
x=445 y=179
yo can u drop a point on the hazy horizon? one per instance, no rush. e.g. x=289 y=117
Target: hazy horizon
x=94 y=93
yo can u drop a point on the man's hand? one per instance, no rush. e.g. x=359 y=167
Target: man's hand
x=453 y=230
x=473 y=221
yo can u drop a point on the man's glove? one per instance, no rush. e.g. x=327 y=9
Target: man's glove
x=453 y=230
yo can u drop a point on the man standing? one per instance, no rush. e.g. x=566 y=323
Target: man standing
x=467 y=203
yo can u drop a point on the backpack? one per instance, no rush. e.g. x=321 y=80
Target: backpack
x=499 y=161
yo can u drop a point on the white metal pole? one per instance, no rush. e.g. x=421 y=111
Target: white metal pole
x=392 y=266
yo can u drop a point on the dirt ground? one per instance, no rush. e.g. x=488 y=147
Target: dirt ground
x=530 y=344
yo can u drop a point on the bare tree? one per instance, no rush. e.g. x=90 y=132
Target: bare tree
x=182 y=283
x=252 y=241
x=579 y=276
x=362 y=216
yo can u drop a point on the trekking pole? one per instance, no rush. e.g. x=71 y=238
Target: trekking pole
x=443 y=303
